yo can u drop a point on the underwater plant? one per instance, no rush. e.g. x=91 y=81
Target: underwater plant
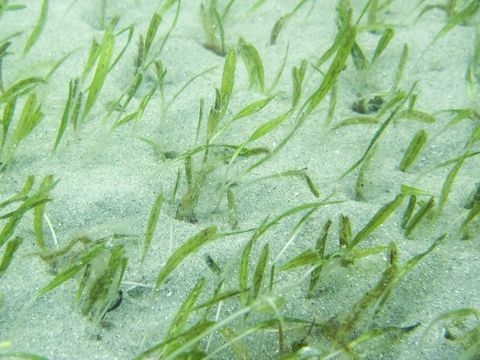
x=306 y=199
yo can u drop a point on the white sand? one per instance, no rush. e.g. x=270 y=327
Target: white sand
x=109 y=180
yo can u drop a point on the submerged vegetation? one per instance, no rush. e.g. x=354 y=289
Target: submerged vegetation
x=291 y=195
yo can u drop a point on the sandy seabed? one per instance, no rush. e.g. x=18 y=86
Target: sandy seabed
x=109 y=176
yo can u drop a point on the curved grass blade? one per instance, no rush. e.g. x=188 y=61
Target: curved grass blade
x=177 y=94
x=103 y=9
x=175 y=187
x=382 y=44
x=246 y=152
x=218 y=297
x=228 y=79
x=297 y=209
x=200 y=118
x=12 y=246
x=297 y=173
x=412 y=201
x=258 y=274
x=180 y=320
x=369 y=7
x=232 y=208
x=339 y=38
x=345 y=45
x=164 y=39
x=177 y=341
x=298 y=75
x=72 y=270
x=128 y=94
x=393 y=332
x=236 y=344
x=293 y=234
x=253 y=108
x=256 y=5
x=279 y=73
x=345 y=231
x=402 y=270
x=356 y=120
x=448 y=183
x=189 y=247
x=8 y=113
x=424 y=209
x=400 y=69
x=21 y=87
x=279 y=25
x=22 y=355
x=360 y=60
x=226 y=9
x=83 y=283
x=332 y=104
x=219 y=26
x=416 y=115
x=261 y=131
x=29 y=203
x=210 y=22
x=244 y=259
x=38 y=214
x=320 y=251
x=463 y=15
x=76 y=110
x=22 y=194
x=253 y=64
x=390 y=104
x=57 y=64
x=213 y=265
x=307 y=257
x=409 y=190
x=262 y=304
x=213 y=118
x=151 y=32
x=152 y=223
x=248 y=110
x=474 y=211
x=35 y=200
x=83 y=240
x=103 y=67
x=92 y=57
x=413 y=150
x=104 y=290
x=377 y=135
x=361 y=183
x=29 y=118
x=139 y=59
x=235 y=341
x=380 y=217
x=359 y=253
x=72 y=89
x=130 y=30
x=166 y=6
x=37 y=29
x=428 y=8
x=372 y=296
x=137 y=114
x=372 y=143
x=12 y=7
